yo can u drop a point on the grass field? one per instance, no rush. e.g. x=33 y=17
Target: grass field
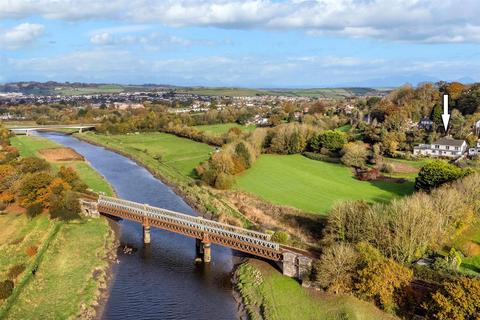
x=181 y=154
x=107 y=88
x=219 y=129
x=65 y=279
x=281 y=297
x=28 y=146
x=311 y=185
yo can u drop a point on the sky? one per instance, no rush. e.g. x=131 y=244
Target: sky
x=249 y=43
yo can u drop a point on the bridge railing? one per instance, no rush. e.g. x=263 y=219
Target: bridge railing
x=199 y=223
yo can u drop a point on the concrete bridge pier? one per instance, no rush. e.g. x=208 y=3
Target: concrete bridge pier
x=203 y=251
x=146 y=234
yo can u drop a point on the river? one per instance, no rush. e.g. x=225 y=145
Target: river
x=159 y=281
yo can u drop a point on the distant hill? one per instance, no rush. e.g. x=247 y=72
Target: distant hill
x=69 y=89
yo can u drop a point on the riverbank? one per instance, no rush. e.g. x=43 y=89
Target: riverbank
x=73 y=272
x=201 y=199
x=269 y=295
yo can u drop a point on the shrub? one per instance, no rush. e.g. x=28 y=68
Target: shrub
x=437 y=172
x=224 y=181
x=15 y=271
x=32 y=251
x=6 y=288
x=34 y=210
x=3 y=205
x=280 y=237
x=33 y=164
x=387 y=167
x=333 y=140
x=321 y=157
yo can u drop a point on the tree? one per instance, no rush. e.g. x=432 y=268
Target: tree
x=436 y=173
x=457 y=299
x=355 y=154
x=33 y=187
x=382 y=280
x=333 y=140
x=336 y=269
x=34 y=210
x=65 y=206
x=70 y=176
x=32 y=165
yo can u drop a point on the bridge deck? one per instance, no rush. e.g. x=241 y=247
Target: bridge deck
x=241 y=239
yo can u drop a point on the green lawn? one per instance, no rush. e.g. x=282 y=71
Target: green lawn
x=310 y=185
x=28 y=146
x=219 y=129
x=281 y=297
x=179 y=153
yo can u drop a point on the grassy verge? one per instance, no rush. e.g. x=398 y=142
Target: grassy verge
x=313 y=186
x=219 y=129
x=267 y=294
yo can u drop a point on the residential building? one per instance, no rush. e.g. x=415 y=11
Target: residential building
x=474 y=151
x=443 y=147
x=425 y=123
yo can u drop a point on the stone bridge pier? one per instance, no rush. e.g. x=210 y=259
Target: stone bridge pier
x=203 y=250
x=295 y=265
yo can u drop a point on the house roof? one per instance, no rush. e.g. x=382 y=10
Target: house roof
x=449 y=142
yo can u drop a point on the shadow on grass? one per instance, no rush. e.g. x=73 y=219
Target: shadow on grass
x=396 y=189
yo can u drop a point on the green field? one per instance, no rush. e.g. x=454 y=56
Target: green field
x=219 y=129
x=181 y=154
x=313 y=186
x=65 y=277
x=281 y=297
x=28 y=146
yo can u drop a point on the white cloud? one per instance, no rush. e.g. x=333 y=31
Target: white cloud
x=20 y=36
x=405 y=20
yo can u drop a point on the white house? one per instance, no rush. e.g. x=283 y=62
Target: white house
x=443 y=147
x=474 y=151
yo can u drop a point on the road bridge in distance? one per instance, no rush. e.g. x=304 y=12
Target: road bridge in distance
x=26 y=130
x=293 y=263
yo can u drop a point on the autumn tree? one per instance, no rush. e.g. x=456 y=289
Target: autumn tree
x=457 y=299
x=355 y=154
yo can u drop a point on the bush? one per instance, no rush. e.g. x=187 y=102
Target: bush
x=32 y=251
x=437 y=172
x=33 y=164
x=280 y=237
x=387 y=167
x=15 y=271
x=224 y=181
x=6 y=288
x=34 y=210
x=3 y=205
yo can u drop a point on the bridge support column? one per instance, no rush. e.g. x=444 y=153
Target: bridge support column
x=146 y=234
x=207 y=252
x=203 y=251
x=80 y=130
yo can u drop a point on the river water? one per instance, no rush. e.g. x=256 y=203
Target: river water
x=159 y=281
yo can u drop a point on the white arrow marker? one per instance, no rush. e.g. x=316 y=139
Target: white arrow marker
x=445 y=115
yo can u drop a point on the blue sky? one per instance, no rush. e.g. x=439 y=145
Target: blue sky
x=250 y=43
